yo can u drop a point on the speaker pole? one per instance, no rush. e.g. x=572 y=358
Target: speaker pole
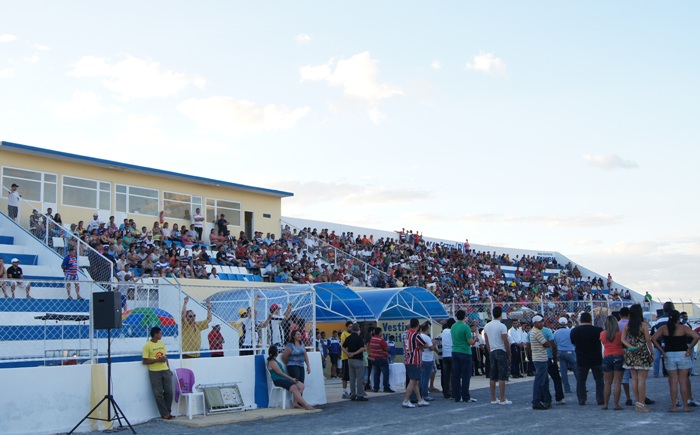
x=109 y=398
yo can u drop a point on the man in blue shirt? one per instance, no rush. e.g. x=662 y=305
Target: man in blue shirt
x=565 y=352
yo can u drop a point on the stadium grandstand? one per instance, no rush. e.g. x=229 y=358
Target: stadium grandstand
x=71 y=226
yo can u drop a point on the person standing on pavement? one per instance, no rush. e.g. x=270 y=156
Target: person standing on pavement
x=566 y=352
x=541 y=396
x=354 y=347
x=461 y=358
x=445 y=338
x=496 y=337
x=379 y=354
x=344 y=359
x=413 y=347
x=517 y=349
x=586 y=339
x=428 y=362
x=154 y=355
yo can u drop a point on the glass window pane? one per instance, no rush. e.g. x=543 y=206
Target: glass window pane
x=79 y=197
x=21 y=173
x=145 y=206
x=197 y=201
x=211 y=214
x=177 y=197
x=120 y=203
x=121 y=188
x=177 y=210
x=105 y=186
x=29 y=190
x=50 y=191
x=229 y=205
x=79 y=182
x=143 y=192
x=50 y=178
x=105 y=201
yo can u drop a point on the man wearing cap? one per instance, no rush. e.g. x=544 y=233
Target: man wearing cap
x=541 y=397
x=94 y=223
x=13 y=202
x=565 y=352
x=216 y=341
x=277 y=333
x=192 y=330
x=15 y=272
x=354 y=347
x=586 y=339
x=245 y=329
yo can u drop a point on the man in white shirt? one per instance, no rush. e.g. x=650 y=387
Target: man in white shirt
x=94 y=223
x=496 y=335
x=13 y=202
x=517 y=347
x=445 y=338
x=428 y=362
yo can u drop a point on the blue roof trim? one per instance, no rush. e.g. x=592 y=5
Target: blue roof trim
x=143 y=169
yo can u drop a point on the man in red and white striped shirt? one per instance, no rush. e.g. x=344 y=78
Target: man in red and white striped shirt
x=379 y=354
x=413 y=350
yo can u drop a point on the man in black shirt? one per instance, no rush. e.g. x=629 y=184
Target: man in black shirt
x=589 y=356
x=15 y=272
x=354 y=347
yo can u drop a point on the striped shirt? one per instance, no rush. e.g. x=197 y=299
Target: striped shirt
x=414 y=347
x=537 y=341
x=378 y=349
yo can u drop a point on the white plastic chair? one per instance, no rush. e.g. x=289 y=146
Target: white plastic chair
x=187 y=391
x=279 y=393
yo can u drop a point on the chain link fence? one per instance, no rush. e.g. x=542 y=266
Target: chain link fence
x=51 y=329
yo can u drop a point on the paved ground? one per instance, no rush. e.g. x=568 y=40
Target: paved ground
x=383 y=414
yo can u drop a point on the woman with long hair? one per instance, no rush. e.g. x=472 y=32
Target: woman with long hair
x=281 y=379
x=613 y=358
x=638 y=356
x=676 y=354
x=294 y=355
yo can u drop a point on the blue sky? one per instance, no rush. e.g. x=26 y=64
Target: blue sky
x=562 y=126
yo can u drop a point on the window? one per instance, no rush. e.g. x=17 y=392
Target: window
x=136 y=200
x=180 y=205
x=33 y=186
x=82 y=192
x=231 y=209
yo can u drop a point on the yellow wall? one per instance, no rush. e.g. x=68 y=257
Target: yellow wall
x=257 y=203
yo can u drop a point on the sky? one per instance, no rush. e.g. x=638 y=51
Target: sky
x=557 y=126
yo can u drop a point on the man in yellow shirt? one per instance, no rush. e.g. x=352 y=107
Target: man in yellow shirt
x=154 y=355
x=192 y=330
x=344 y=358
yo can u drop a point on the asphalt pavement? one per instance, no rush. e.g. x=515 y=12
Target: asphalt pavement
x=383 y=414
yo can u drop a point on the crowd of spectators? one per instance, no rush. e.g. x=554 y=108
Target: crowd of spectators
x=456 y=274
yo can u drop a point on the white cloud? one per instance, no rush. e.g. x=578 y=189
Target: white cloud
x=141 y=130
x=5 y=73
x=609 y=161
x=487 y=63
x=82 y=105
x=7 y=38
x=375 y=115
x=358 y=76
x=133 y=78
x=233 y=117
x=436 y=65
x=39 y=47
x=303 y=38
x=31 y=59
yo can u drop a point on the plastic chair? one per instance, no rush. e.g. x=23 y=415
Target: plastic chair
x=279 y=393
x=185 y=382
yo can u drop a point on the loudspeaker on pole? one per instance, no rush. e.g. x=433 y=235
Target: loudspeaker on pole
x=106 y=310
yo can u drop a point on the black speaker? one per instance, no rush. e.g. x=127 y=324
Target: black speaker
x=106 y=310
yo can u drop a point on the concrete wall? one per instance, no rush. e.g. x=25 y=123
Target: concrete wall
x=47 y=400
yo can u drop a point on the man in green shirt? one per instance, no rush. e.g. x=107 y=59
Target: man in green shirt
x=461 y=358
